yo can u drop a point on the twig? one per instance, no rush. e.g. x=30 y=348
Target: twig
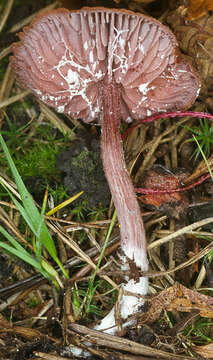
x=115 y=342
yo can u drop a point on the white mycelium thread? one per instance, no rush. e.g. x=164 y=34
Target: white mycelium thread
x=122 y=60
x=77 y=84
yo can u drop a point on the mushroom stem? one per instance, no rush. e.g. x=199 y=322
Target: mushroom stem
x=133 y=241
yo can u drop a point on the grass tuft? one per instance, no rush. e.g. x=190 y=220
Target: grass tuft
x=35 y=221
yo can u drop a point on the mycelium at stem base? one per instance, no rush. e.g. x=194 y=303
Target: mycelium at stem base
x=133 y=242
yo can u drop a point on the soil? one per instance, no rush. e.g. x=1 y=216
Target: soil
x=82 y=170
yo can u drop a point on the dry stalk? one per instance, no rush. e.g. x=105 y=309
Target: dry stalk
x=6 y=13
x=27 y=20
x=56 y=121
x=14 y=99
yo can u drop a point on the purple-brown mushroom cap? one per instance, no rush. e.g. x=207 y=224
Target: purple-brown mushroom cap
x=64 y=56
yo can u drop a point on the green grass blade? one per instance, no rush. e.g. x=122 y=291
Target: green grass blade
x=27 y=258
x=91 y=288
x=112 y=223
x=42 y=266
x=12 y=240
x=204 y=157
x=31 y=210
x=28 y=202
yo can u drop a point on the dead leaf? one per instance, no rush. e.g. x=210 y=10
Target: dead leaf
x=144 y=1
x=178 y=298
x=4 y=323
x=198 y=8
x=159 y=178
x=188 y=300
x=205 y=351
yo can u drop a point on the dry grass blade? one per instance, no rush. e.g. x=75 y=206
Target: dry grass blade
x=7 y=83
x=189 y=262
x=14 y=99
x=68 y=241
x=5 y=52
x=27 y=20
x=10 y=185
x=150 y=153
x=6 y=13
x=10 y=301
x=56 y=121
x=82 y=272
x=149 y=148
x=36 y=280
x=184 y=230
x=6 y=220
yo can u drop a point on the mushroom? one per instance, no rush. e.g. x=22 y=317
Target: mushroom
x=108 y=65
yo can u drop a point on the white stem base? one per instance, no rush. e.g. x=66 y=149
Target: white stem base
x=129 y=306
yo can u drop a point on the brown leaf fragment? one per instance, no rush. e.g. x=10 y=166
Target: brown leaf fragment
x=188 y=300
x=4 y=323
x=143 y=1
x=198 y=8
x=159 y=302
x=178 y=298
x=205 y=351
x=159 y=178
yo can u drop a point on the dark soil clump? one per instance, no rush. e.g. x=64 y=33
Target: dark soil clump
x=83 y=170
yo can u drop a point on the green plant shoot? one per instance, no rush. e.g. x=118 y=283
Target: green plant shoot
x=35 y=221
